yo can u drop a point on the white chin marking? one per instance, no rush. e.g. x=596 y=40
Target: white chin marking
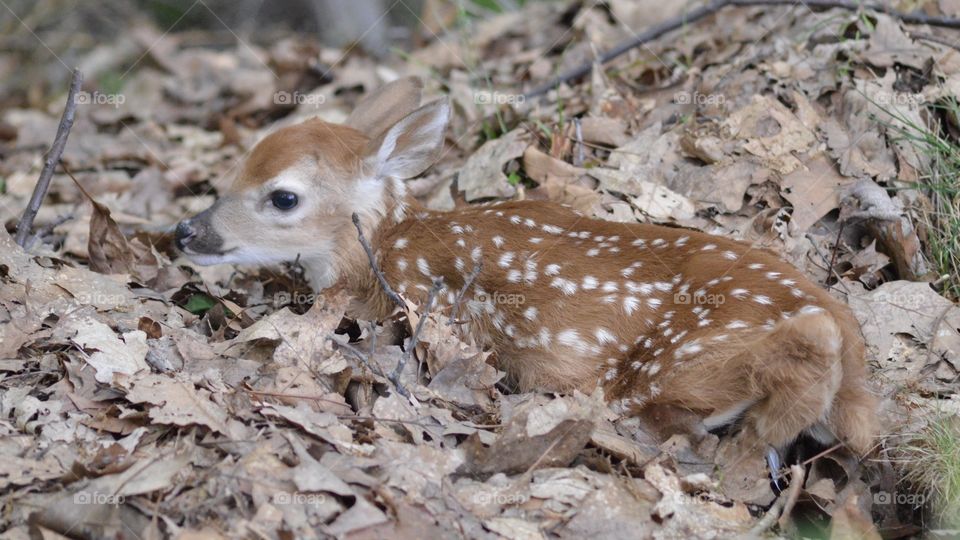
x=205 y=260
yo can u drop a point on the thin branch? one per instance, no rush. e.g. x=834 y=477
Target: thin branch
x=714 y=6
x=53 y=157
x=415 y=338
x=455 y=310
x=391 y=294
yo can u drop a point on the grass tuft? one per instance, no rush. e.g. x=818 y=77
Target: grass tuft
x=931 y=464
x=941 y=183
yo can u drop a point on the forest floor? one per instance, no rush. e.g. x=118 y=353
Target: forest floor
x=143 y=396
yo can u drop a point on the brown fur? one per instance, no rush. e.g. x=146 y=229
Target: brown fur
x=339 y=147
x=801 y=371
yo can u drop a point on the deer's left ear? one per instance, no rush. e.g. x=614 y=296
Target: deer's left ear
x=412 y=144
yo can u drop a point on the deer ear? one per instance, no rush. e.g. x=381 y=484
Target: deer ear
x=385 y=106
x=412 y=144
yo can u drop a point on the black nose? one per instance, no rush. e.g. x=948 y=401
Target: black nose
x=185 y=233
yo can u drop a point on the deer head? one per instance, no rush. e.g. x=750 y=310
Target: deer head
x=296 y=192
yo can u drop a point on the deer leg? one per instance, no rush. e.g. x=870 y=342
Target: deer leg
x=798 y=374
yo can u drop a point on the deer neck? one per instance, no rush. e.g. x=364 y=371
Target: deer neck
x=357 y=275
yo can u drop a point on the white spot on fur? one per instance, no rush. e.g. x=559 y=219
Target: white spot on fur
x=552 y=229
x=755 y=266
x=400 y=243
x=687 y=349
x=708 y=247
x=604 y=336
x=506 y=259
x=630 y=304
x=513 y=276
x=498 y=241
x=530 y=313
x=590 y=283
x=552 y=269
x=401 y=264
x=734 y=325
x=423 y=266
x=762 y=299
x=593 y=252
x=730 y=255
x=568 y=287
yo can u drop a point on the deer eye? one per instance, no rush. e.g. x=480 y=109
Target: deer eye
x=283 y=200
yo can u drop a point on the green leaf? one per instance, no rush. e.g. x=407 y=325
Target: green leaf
x=199 y=304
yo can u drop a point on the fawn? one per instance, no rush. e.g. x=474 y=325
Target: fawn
x=671 y=322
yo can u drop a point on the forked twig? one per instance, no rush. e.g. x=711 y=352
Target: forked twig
x=781 y=507
x=50 y=164
x=455 y=310
x=391 y=294
x=415 y=338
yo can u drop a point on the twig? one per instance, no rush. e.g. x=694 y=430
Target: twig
x=53 y=157
x=836 y=247
x=695 y=15
x=391 y=294
x=415 y=338
x=455 y=310
x=782 y=506
x=816 y=248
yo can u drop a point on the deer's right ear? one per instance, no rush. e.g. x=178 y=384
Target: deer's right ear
x=385 y=106
x=412 y=144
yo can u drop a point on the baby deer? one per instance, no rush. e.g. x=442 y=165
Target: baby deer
x=669 y=321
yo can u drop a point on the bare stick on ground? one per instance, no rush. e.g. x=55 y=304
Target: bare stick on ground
x=391 y=294
x=695 y=15
x=780 y=511
x=53 y=157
